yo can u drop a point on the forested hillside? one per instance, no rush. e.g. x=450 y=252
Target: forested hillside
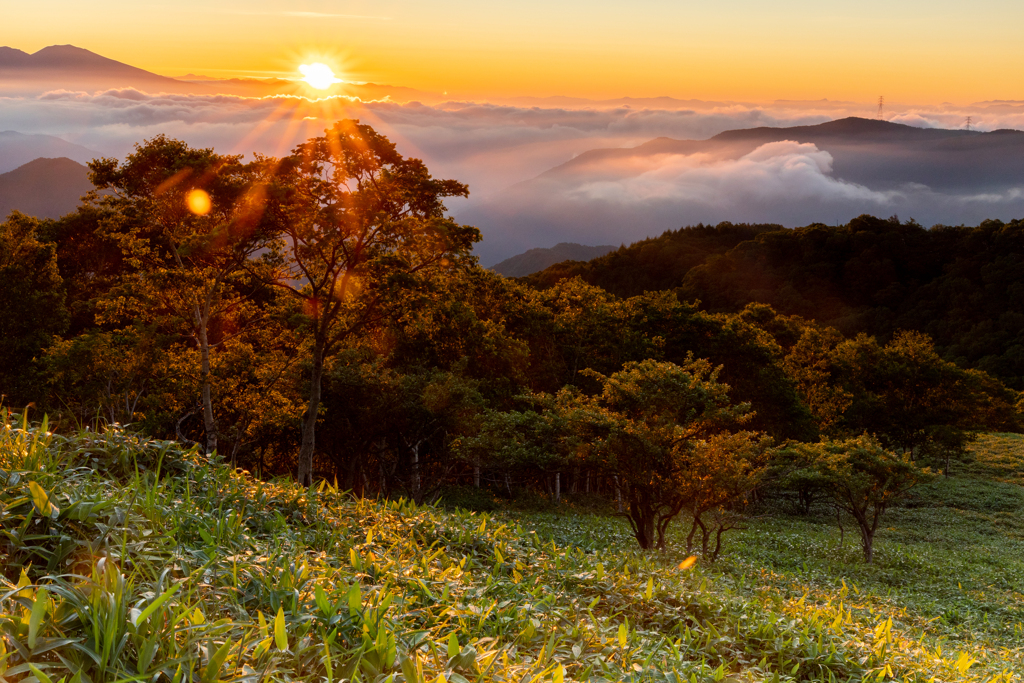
x=322 y=315
x=963 y=286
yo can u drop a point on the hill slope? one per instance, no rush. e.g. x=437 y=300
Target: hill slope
x=44 y=188
x=962 y=286
x=17 y=149
x=540 y=258
x=149 y=561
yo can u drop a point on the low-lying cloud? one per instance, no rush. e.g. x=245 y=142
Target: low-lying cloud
x=500 y=149
x=797 y=171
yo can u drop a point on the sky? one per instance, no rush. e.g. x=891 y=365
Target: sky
x=927 y=52
x=730 y=64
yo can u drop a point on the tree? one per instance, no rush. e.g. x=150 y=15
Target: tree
x=716 y=481
x=862 y=478
x=362 y=222
x=33 y=306
x=537 y=437
x=903 y=392
x=660 y=429
x=189 y=223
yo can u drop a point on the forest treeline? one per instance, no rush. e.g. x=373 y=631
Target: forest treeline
x=322 y=315
x=962 y=286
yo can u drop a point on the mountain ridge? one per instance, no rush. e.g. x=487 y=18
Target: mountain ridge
x=44 y=188
x=18 y=149
x=540 y=258
x=865 y=151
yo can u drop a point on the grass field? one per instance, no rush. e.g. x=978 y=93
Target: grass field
x=126 y=559
x=948 y=571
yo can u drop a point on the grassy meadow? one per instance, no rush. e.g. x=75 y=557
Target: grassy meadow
x=132 y=559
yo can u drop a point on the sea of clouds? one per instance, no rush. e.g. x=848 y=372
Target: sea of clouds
x=496 y=147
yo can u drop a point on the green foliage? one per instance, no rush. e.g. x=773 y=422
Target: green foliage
x=181 y=569
x=960 y=285
x=663 y=432
x=902 y=392
x=363 y=226
x=862 y=479
x=33 y=306
x=649 y=264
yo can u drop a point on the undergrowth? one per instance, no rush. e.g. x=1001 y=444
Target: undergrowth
x=131 y=559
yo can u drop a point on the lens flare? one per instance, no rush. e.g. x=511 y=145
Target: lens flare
x=318 y=75
x=198 y=202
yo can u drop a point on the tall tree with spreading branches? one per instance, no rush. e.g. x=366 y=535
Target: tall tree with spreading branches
x=363 y=223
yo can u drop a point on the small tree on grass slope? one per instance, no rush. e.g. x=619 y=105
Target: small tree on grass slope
x=862 y=478
x=665 y=432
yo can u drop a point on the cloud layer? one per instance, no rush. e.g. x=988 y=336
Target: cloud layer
x=496 y=147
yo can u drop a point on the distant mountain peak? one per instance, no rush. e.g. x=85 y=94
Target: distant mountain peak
x=539 y=258
x=45 y=187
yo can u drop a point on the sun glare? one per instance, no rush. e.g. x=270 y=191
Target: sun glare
x=198 y=202
x=318 y=75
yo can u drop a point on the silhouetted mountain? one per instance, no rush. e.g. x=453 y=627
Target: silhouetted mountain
x=541 y=258
x=873 y=153
x=70 y=67
x=74 y=68
x=17 y=149
x=44 y=188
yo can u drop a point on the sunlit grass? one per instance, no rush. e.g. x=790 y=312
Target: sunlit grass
x=143 y=561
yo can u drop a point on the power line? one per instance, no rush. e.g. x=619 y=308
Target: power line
x=967 y=123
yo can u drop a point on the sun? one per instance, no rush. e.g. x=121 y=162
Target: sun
x=318 y=75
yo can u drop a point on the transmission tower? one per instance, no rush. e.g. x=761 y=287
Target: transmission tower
x=967 y=123
x=881 y=107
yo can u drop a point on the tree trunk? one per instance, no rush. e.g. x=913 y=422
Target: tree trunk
x=643 y=527
x=868 y=541
x=476 y=474
x=209 y=424
x=416 y=488
x=618 y=494
x=689 y=537
x=718 y=540
x=558 y=487
x=305 y=473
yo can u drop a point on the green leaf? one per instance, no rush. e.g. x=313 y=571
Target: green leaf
x=649 y=593
x=216 y=662
x=280 y=637
x=453 y=646
x=328 y=664
x=623 y=634
x=43 y=678
x=355 y=600
x=36 y=618
x=41 y=501
x=155 y=605
x=558 y=675
x=322 y=602
x=264 y=631
x=410 y=670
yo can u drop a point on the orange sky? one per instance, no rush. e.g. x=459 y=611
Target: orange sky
x=926 y=52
